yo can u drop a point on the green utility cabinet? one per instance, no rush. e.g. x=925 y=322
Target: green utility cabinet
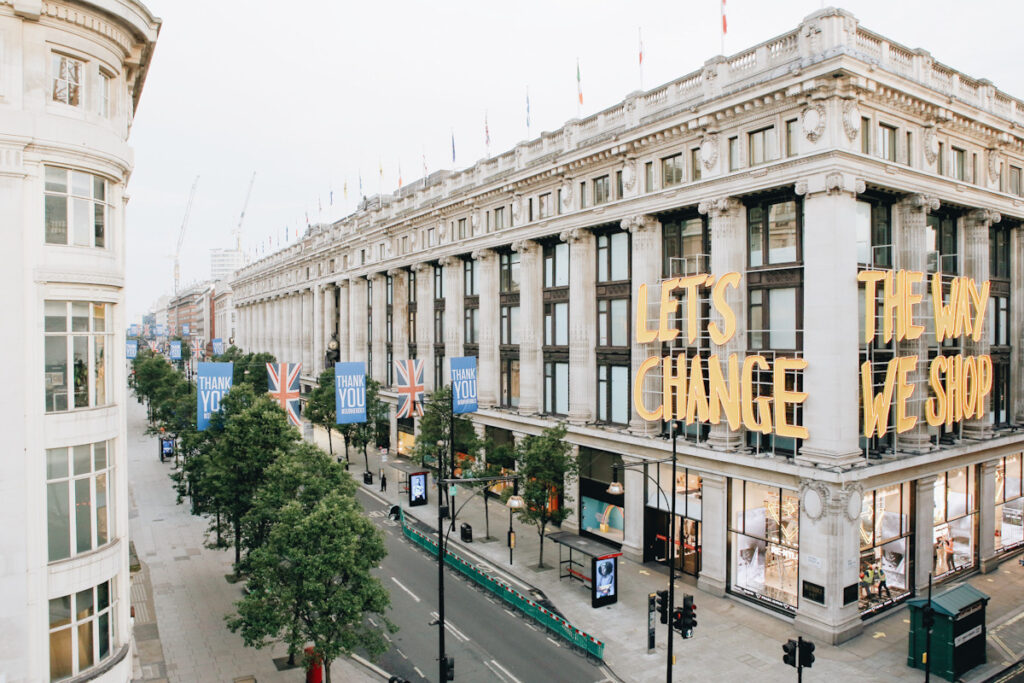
x=958 y=636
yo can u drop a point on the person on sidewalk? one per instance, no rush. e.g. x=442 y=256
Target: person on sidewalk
x=882 y=584
x=867 y=578
x=383 y=481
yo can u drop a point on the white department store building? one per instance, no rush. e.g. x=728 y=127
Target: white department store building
x=71 y=75
x=808 y=166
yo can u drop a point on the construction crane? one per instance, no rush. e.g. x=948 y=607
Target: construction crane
x=245 y=205
x=181 y=235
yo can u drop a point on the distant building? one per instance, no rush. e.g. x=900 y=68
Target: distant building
x=72 y=77
x=223 y=313
x=224 y=263
x=192 y=307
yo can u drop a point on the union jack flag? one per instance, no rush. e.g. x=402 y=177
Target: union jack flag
x=197 y=346
x=154 y=347
x=409 y=376
x=283 y=379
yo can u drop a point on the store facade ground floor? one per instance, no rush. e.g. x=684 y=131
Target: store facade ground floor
x=824 y=548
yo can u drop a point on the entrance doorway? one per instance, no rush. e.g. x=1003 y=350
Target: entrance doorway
x=688 y=541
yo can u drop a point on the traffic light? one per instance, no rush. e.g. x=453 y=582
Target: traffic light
x=806 y=653
x=449 y=668
x=677 y=619
x=790 y=648
x=689 y=614
x=662 y=603
x=928 y=616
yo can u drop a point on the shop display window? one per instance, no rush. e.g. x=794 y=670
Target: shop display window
x=885 y=531
x=764 y=543
x=954 y=537
x=1009 y=532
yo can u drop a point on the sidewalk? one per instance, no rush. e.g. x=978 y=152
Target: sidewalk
x=734 y=640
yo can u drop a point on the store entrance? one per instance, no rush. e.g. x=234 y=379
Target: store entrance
x=656 y=539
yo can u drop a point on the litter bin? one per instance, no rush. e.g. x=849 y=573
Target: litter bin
x=467 y=533
x=314 y=667
x=367 y=477
x=958 y=635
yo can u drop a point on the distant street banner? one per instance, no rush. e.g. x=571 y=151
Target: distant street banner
x=184 y=329
x=212 y=383
x=131 y=349
x=170 y=329
x=197 y=346
x=154 y=347
x=145 y=330
x=464 y=386
x=218 y=346
x=349 y=393
x=283 y=380
x=175 y=350
x=410 y=386
x=160 y=330
x=133 y=330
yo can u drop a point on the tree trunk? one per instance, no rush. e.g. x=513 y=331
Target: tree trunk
x=330 y=444
x=238 y=547
x=327 y=672
x=540 y=561
x=347 y=459
x=487 y=516
x=218 y=529
x=366 y=458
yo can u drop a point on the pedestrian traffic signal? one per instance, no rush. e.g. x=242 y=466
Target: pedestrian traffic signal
x=790 y=648
x=928 y=616
x=661 y=600
x=677 y=619
x=449 y=668
x=806 y=653
x=689 y=615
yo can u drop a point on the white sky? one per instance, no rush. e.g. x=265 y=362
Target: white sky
x=309 y=93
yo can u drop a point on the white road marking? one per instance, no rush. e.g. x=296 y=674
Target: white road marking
x=510 y=612
x=504 y=673
x=386 y=637
x=556 y=643
x=372 y=622
x=449 y=626
x=400 y=585
x=402 y=654
x=417 y=670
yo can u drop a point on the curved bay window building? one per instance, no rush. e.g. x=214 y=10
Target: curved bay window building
x=766 y=250
x=73 y=74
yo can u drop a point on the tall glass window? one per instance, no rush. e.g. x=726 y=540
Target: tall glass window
x=509 y=272
x=885 y=556
x=556 y=388
x=672 y=170
x=613 y=393
x=1009 y=509
x=765 y=542
x=613 y=257
x=510 y=383
x=81 y=630
x=556 y=265
x=955 y=512
x=75 y=208
x=762 y=145
x=77 y=499
x=76 y=343
x=68 y=78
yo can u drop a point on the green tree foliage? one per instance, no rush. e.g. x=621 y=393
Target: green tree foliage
x=312 y=582
x=543 y=463
x=248 y=368
x=436 y=426
x=362 y=434
x=320 y=405
x=481 y=469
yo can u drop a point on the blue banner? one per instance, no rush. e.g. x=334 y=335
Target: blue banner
x=175 y=350
x=218 y=346
x=133 y=330
x=160 y=330
x=131 y=349
x=184 y=329
x=464 y=384
x=349 y=393
x=212 y=382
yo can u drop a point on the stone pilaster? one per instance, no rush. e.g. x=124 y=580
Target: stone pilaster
x=830 y=345
x=987 y=516
x=976 y=266
x=1017 y=325
x=283 y=323
x=646 y=245
x=924 y=532
x=531 y=318
x=727 y=228
x=316 y=331
x=582 y=324
x=329 y=323
x=308 y=332
x=633 y=482
x=344 y=322
x=912 y=255
x=296 y=332
x=570 y=485
x=425 y=321
x=714 y=522
x=379 y=340
x=400 y=313
x=357 y=318
x=829 y=558
x=488 y=379
x=454 y=304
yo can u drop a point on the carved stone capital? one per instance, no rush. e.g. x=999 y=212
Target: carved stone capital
x=921 y=202
x=983 y=216
x=395 y=272
x=573 y=235
x=376 y=277
x=446 y=261
x=422 y=267
x=640 y=223
x=483 y=254
x=524 y=246
x=720 y=206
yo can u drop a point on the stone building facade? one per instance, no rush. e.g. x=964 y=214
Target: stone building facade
x=825 y=168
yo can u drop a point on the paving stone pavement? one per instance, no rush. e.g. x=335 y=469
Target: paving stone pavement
x=180 y=594
x=734 y=641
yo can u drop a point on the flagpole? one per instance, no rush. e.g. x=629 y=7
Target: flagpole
x=579 y=88
x=528 y=135
x=723 y=27
x=640 y=40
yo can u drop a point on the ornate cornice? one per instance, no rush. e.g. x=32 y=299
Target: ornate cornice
x=983 y=216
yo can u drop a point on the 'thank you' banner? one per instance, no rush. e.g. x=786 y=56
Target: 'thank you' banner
x=175 y=350
x=131 y=348
x=212 y=382
x=349 y=393
x=464 y=386
x=218 y=346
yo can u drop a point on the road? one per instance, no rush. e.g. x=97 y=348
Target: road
x=487 y=639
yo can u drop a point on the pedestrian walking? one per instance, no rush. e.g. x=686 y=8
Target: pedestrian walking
x=867 y=578
x=882 y=584
x=383 y=481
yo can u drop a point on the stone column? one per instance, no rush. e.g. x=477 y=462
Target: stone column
x=309 y=331
x=714 y=522
x=924 y=532
x=393 y=427
x=298 y=330
x=531 y=319
x=379 y=341
x=329 y=324
x=831 y=318
x=571 y=487
x=400 y=312
x=646 y=244
x=727 y=228
x=425 y=321
x=454 y=304
x=829 y=557
x=319 y=339
x=582 y=324
x=976 y=266
x=344 y=322
x=1017 y=325
x=633 y=481
x=987 y=516
x=911 y=255
x=280 y=327
x=357 y=317
x=489 y=377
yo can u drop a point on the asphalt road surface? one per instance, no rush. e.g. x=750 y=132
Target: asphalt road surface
x=488 y=640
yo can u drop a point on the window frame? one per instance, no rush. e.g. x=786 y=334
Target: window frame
x=766 y=141
x=57 y=62
x=74 y=201
x=673 y=170
x=91 y=624
x=765 y=207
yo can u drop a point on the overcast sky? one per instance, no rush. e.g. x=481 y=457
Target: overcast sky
x=310 y=94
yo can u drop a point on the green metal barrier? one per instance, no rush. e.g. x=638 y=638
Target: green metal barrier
x=550 y=621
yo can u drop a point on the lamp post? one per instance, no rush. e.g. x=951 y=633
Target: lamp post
x=617 y=489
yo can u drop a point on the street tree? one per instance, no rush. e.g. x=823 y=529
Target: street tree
x=362 y=434
x=436 y=426
x=543 y=463
x=320 y=405
x=312 y=582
